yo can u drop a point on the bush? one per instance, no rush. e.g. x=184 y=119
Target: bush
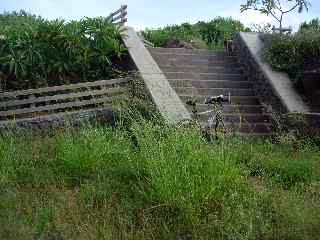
x=294 y=54
x=202 y=34
x=220 y=29
x=161 y=36
x=36 y=52
x=313 y=25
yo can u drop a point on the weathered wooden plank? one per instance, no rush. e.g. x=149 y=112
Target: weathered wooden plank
x=121 y=10
x=64 y=87
x=117 y=18
x=105 y=91
x=115 y=12
x=58 y=106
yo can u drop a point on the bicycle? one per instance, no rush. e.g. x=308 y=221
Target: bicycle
x=215 y=118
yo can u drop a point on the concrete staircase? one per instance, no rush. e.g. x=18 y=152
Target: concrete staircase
x=202 y=73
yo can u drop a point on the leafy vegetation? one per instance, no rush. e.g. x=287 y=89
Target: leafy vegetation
x=200 y=35
x=220 y=29
x=276 y=9
x=295 y=54
x=160 y=37
x=313 y=25
x=156 y=182
x=35 y=52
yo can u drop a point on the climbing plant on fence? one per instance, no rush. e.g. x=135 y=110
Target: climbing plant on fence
x=35 y=52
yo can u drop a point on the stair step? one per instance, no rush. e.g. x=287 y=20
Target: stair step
x=242 y=117
x=315 y=108
x=160 y=50
x=163 y=60
x=209 y=83
x=213 y=91
x=200 y=69
x=236 y=100
x=193 y=57
x=234 y=109
x=246 y=117
x=203 y=76
x=262 y=128
x=257 y=136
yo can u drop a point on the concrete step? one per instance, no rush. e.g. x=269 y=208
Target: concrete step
x=240 y=117
x=165 y=60
x=187 y=51
x=203 y=76
x=209 y=83
x=315 y=108
x=257 y=136
x=235 y=100
x=200 y=69
x=245 y=118
x=248 y=128
x=192 y=57
x=220 y=56
x=234 y=109
x=213 y=91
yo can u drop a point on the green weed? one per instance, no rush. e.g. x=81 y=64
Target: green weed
x=95 y=183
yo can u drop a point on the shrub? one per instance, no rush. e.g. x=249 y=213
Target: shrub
x=212 y=33
x=313 y=25
x=161 y=36
x=36 y=52
x=294 y=54
x=220 y=29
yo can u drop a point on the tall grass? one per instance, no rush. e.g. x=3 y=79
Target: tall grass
x=97 y=183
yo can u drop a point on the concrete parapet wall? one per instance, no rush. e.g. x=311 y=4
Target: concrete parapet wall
x=164 y=97
x=273 y=88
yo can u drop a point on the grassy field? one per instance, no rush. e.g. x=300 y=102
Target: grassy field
x=156 y=182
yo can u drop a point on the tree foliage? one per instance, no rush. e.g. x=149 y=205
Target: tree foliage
x=276 y=8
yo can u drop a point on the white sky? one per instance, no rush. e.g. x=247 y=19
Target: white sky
x=151 y=14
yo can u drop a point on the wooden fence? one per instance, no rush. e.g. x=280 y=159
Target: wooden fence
x=119 y=16
x=35 y=102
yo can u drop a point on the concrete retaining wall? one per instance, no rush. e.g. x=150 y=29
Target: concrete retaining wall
x=72 y=119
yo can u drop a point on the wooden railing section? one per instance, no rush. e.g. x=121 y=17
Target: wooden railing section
x=119 y=16
x=35 y=102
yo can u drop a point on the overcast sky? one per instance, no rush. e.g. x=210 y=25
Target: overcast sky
x=151 y=14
